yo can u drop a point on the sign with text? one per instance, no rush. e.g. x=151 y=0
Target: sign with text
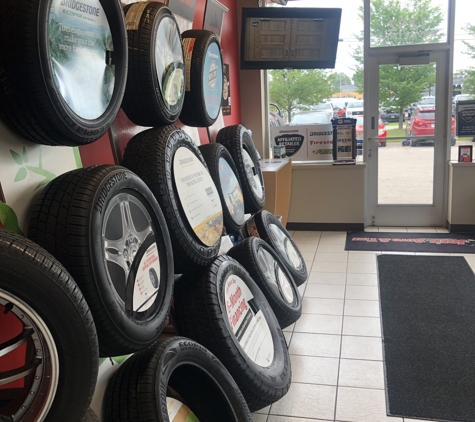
x=344 y=139
x=465 y=118
x=184 y=11
x=305 y=142
x=214 y=16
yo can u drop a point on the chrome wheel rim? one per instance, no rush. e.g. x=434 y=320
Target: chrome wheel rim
x=40 y=371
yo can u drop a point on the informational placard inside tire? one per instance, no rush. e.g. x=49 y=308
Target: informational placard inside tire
x=80 y=49
x=213 y=80
x=198 y=196
x=252 y=174
x=232 y=192
x=147 y=280
x=250 y=328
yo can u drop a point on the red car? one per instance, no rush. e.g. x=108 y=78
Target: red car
x=422 y=123
x=382 y=133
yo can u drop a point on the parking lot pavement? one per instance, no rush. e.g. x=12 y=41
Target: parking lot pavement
x=406 y=173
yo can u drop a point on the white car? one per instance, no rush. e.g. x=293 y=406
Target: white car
x=326 y=108
x=355 y=108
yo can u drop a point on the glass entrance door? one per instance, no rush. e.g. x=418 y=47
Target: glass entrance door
x=407 y=151
x=408 y=129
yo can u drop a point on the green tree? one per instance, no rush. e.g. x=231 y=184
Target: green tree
x=339 y=80
x=299 y=89
x=469 y=74
x=396 y=22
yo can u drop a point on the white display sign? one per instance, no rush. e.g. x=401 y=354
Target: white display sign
x=305 y=142
x=251 y=329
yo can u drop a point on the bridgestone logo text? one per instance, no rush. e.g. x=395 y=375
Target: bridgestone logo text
x=321 y=133
x=107 y=188
x=81 y=7
x=185 y=161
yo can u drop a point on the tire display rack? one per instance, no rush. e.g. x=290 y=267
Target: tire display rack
x=108 y=240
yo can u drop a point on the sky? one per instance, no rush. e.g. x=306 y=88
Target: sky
x=351 y=25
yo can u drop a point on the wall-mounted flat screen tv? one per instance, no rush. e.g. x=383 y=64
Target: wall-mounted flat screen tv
x=289 y=37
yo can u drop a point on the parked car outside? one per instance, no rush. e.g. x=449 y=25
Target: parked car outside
x=426 y=102
x=382 y=133
x=390 y=115
x=311 y=118
x=325 y=107
x=276 y=118
x=422 y=123
x=460 y=97
x=355 y=108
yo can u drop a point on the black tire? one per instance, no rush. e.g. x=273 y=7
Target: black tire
x=37 y=292
x=204 y=85
x=145 y=102
x=382 y=144
x=238 y=142
x=102 y=223
x=266 y=225
x=152 y=154
x=138 y=391
x=91 y=416
x=272 y=276
x=223 y=171
x=201 y=313
x=39 y=94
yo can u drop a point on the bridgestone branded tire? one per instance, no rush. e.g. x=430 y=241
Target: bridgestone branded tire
x=57 y=343
x=224 y=174
x=204 y=80
x=266 y=225
x=272 y=276
x=138 y=390
x=104 y=225
x=62 y=78
x=238 y=142
x=225 y=311
x=168 y=161
x=156 y=80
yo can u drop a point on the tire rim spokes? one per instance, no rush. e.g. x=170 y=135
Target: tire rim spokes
x=127 y=224
x=39 y=372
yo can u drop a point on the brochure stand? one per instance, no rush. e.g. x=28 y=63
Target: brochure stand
x=344 y=141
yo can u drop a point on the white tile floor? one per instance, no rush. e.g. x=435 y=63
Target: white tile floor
x=335 y=347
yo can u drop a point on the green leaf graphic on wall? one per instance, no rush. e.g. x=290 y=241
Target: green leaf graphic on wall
x=8 y=219
x=22 y=173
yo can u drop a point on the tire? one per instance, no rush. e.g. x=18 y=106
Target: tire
x=201 y=313
x=204 y=80
x=272 y=276
x=137 y=390
x=53 y=96
x=149 y=98
x=61 y=342
x=382 y=144
x=91 y=416
x=266 y=226
x=224 y=174
x=238 y=142
x=104 y=225
x=152 y=154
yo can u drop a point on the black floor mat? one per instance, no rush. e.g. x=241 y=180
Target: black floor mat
x=428 y=321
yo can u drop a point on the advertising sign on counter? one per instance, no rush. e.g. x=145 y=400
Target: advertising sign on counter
x=344 y=139
x=304 y=142
x=465 y=118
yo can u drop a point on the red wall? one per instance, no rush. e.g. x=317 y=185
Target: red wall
x=101 y=151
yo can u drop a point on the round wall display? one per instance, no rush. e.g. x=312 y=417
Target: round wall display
x=112 y=237
x=272 y=276
x=248 y=340
x=223 y=171
x=176 y=380
x=49 y=365
x=156 y=80
x=238 y=142
x=172 y=166
x=267 y=226
x=67 y=85
x=204 y=78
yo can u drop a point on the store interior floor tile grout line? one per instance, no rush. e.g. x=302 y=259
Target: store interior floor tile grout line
x=336 y=347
